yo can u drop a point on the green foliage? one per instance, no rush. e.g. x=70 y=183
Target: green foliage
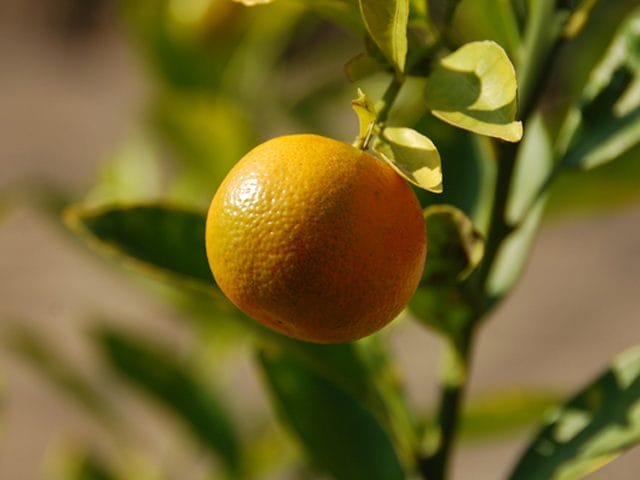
x=341 y=437
x=451 y=87
x=169 y=239
x=591 y=429
x=386 y=21
x=413 y=155
x=62 y=374
x=84 y=466
x=475 y=88
x=153 y=369
x=455 y=250
x=606 y=122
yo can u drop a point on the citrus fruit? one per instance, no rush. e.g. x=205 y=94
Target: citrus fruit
x=316 y=239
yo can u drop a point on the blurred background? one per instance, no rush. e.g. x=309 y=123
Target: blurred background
x=107 y=102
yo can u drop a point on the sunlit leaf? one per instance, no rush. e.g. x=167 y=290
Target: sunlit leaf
x=341 y=437
x=475 y=88
x=591 y=429
x=156 y=371
x=367 y=115
x=606 y=122
x=413 y=155
x=156 y=239
x=386 y=21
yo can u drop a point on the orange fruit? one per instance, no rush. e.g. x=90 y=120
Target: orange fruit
x=316 y=239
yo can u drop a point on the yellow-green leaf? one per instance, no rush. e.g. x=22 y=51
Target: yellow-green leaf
x=475 y=88
x=591 y=429
x=386 y=21
x=366 y=113
x=413 y=155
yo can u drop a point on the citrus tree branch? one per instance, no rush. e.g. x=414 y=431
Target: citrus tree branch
x=457 y=360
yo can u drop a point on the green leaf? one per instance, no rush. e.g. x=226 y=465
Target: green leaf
x=155 y=239
x=155 y=370
x=386 y=21
x=208 y=134
x=132 y=173
x=61 y=373
x=533 y=172
x=495 y=20
x=364 y=371
x=413 y=155
x=501 y=413
x=362 y=66
x=578 y=18
x=475 y=88
x=606 y=122
x=525 y=205
x=339 y=435
x=591 y=429
x=454 y=249
x=367 y=116
x=82 y=465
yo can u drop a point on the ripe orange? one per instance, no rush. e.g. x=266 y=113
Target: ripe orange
x=316 y=239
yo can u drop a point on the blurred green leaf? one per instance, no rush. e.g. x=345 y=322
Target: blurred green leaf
x=386 y=21
x=502 y=413
x=186 y=49
x=525 y=205
x=534 y=169
x=132 y=174
x=495 y=20
x=454 y=249
x=156 y=239
x=155 y=370
x=413 y=155
x=578 y=18
x=363 y=371
x=339 y=435
x=591 y=429
x=475 y=88
x=61 y=373
x=362 y=66
x=606 y=122
x=208 y=134
x=342 y=12
x=83 y=465
x=251 y=3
